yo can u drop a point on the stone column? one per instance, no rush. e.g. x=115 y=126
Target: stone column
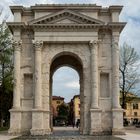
x=15 y=112
x=94 y=74
x=38 y=113
x=95 y=112
x=37 y=76
x=115 y=74
x=117 y=112
x=16 y=90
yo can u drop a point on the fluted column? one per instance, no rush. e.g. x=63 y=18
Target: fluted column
x=94 y=74
x=115 y=74
x=37 y=76
x=16 y=90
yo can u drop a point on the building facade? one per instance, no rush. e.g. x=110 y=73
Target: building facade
x=132 y=111
x=82 y=36
x=75 y=108
x=56 y=101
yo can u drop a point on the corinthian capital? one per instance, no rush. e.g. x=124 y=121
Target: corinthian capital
x=94 y=44
x=37 y=45
x=17 y=45
x=115 y=45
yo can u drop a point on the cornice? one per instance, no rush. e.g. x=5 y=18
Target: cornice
x=41 y=7
x=65 y=6
x=58 y=7
x=118 y=26
x=17 y=9
x=16 y=25
x=115 y=8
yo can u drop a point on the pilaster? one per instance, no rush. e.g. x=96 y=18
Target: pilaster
x=95 y=112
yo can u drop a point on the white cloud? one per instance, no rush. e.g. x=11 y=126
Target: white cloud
x=73 y=84
x=6 y=13
x=65 y=83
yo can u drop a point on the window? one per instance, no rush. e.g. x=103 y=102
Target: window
x=79 y=105
x=58 y=102
x=135 y=114
x=135 y=106
x=124 y=113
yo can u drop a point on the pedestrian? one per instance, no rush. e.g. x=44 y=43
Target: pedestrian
x=73 y=124
x=77 y=124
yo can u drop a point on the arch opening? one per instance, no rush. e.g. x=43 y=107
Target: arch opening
x=73 y=63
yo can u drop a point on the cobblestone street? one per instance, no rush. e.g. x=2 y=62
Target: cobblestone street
x=69 y=133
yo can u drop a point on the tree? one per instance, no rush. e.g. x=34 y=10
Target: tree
x=6 y=67
x=129 y=76
x=63 y=110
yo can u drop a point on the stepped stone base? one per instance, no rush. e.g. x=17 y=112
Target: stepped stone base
x=67 y=138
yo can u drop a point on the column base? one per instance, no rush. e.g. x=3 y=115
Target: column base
x=40 y=132
x=15 y=122
x=95 y=128
x=117 y=116
x=14 y=132
x=118 y=132
x=40 y=122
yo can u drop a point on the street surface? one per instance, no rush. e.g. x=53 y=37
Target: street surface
x=73 y=133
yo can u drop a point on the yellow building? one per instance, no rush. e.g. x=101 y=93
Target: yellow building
x=132 y=111
x=56 y=101
x=76 y=108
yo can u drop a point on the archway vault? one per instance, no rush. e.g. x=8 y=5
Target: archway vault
x=66 y=59
x=71 y=60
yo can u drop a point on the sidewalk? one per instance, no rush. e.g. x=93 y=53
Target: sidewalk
x=132 y=133
x=4 y=136
x=130 y=136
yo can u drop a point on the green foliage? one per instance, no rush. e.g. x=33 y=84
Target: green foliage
x=63 y=110
x=3 y=128
x=6 y=68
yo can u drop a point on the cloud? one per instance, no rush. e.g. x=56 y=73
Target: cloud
x=66 y=83
x=73 y=84
x=4 y=4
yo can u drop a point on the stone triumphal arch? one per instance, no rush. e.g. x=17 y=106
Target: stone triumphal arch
x=84 y=37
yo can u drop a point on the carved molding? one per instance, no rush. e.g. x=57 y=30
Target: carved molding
x=37 y=45
x=75 y=16
x=94 y=44
x=115 y=45
x=17 y=45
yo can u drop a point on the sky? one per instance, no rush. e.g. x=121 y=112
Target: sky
x=130 y=35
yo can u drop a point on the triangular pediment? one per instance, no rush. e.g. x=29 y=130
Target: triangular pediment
x=65 y=17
